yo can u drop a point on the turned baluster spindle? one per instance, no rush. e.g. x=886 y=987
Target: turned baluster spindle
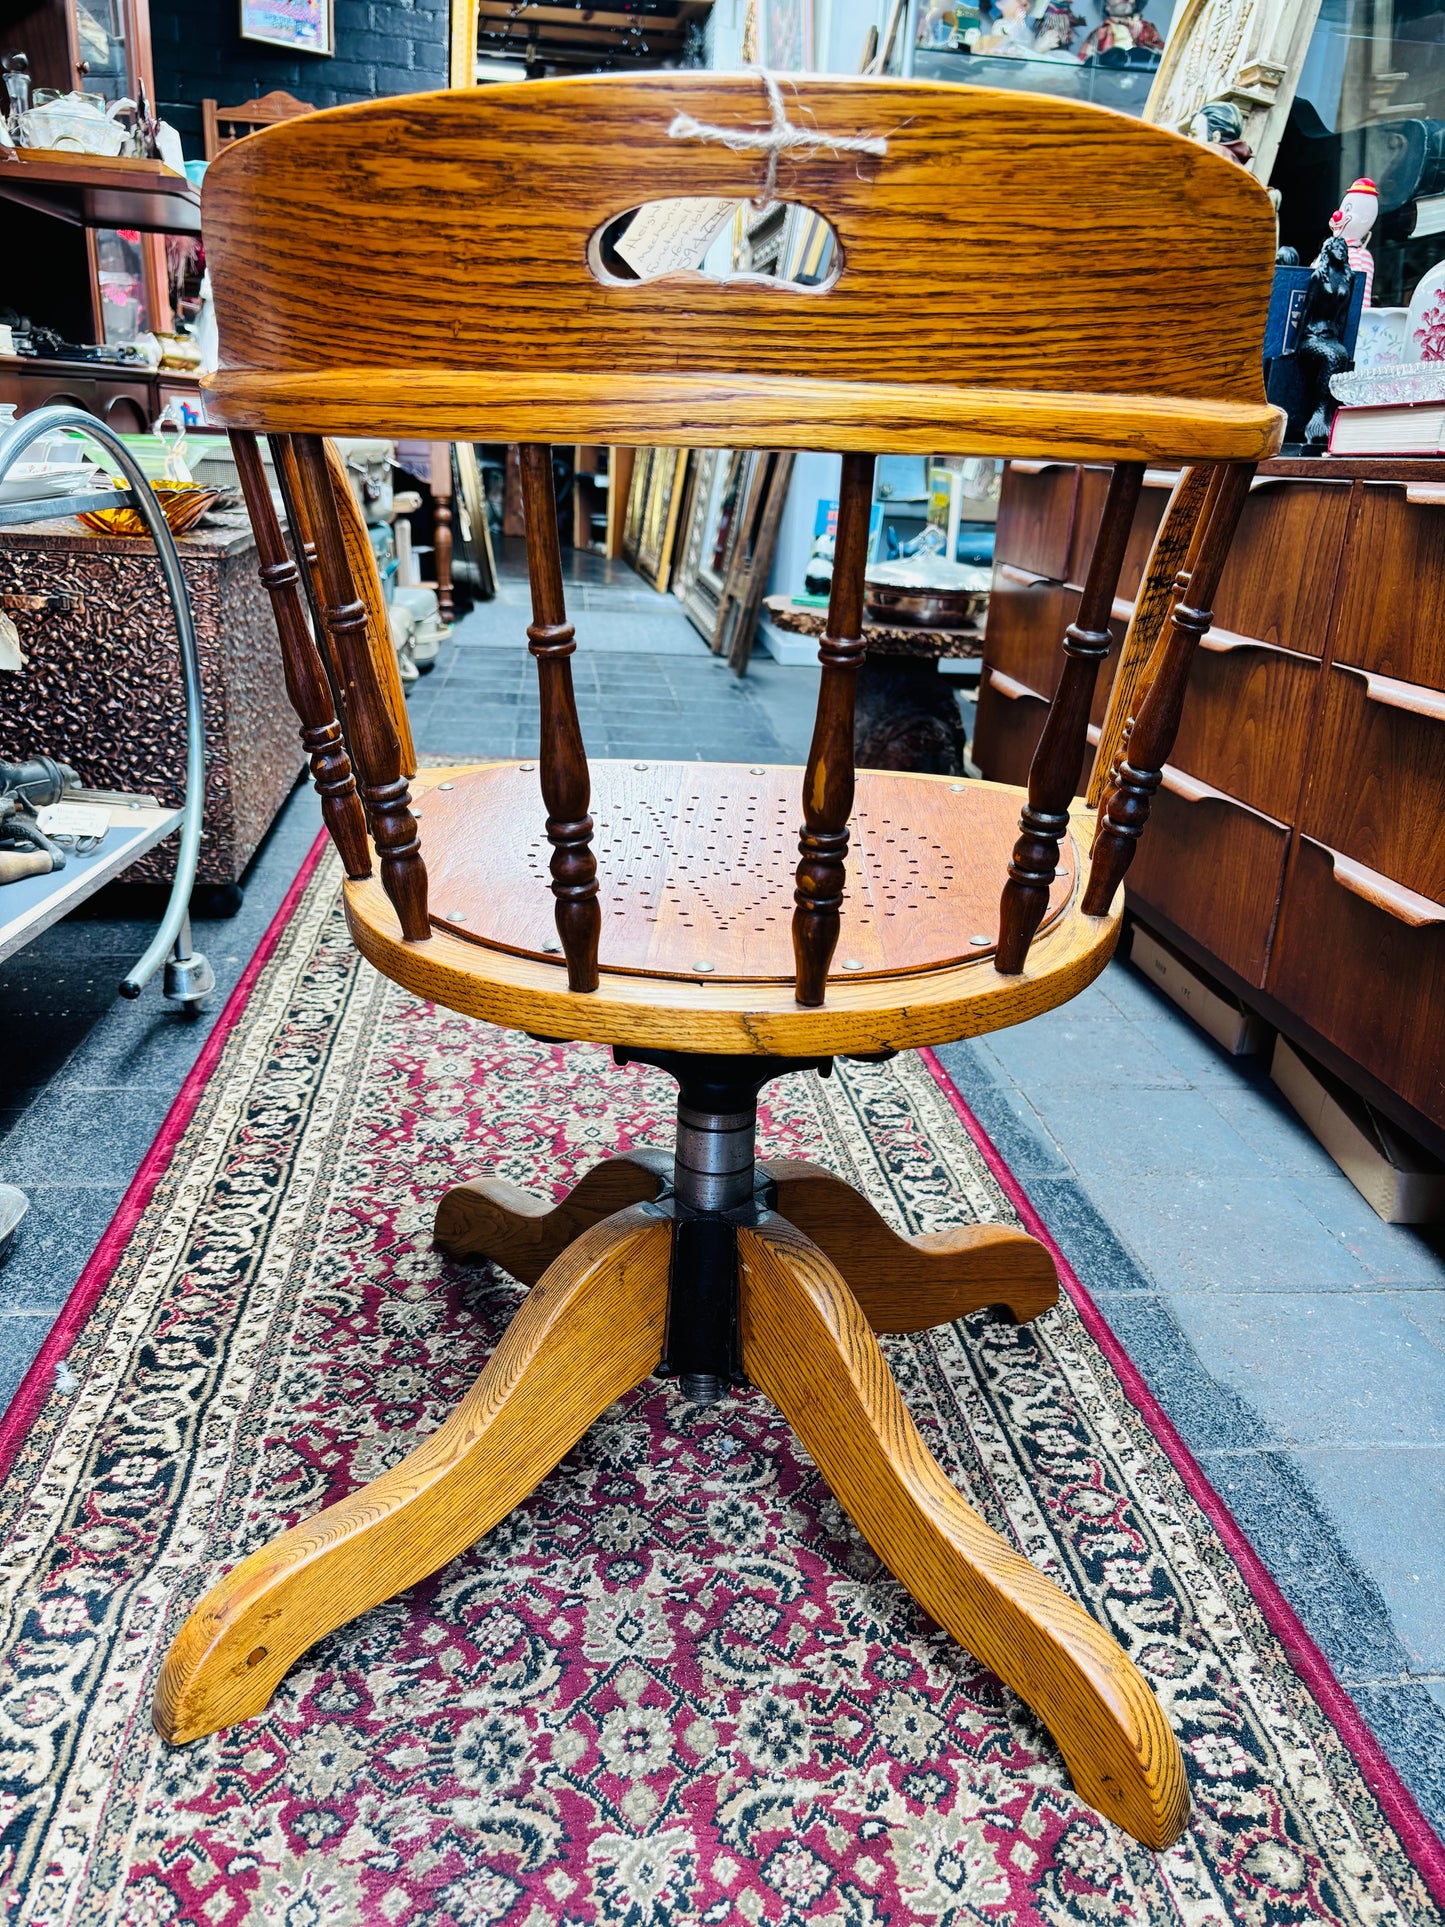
x=1141 y=769
x=307 y=683
x=288 y=480
x=828 y=783
x=371 y=731
x=566 y=785
x=1059 y=759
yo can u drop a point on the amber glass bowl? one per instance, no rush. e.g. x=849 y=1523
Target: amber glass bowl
x=182 y=503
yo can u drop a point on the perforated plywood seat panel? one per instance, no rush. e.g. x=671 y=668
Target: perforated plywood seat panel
x=695 y=866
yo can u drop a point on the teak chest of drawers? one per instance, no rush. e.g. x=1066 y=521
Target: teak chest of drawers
x=1297 y=850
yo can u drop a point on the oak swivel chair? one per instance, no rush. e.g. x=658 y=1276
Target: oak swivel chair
x=427 y=266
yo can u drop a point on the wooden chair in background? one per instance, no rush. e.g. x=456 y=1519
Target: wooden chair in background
x=221 y=126
x=676 y=928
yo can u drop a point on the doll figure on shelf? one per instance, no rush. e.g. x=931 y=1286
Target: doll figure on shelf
x=1055 y=31
x=1219 y=123
x=1123 y=29
x=1353 y=220
x=1010 y=32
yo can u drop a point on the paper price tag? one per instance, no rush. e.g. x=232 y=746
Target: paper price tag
x=667 y=236
x=74 y=819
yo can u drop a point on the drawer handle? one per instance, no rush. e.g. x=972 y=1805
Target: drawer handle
x=1223 y=642
x=1025 y=578
x=1406 y=906
x=1036 y=468
x=1425 y=495
x=1399 y=695
x=1189 y=789
x=1014 y=691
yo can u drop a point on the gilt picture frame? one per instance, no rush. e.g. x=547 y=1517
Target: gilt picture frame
x=666 y=479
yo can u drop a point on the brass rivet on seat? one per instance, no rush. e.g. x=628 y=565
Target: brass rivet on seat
x=980 y=942
x=639 y=766
x=446 y=786
x=702 y=967
x=552 y=948
x=958 y=788
x=757 y=770
x=526 y=766
x=456 y=916
x=852 y=963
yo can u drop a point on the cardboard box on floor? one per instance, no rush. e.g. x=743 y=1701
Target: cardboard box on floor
x=1396 y=1176
x=1235 y=1029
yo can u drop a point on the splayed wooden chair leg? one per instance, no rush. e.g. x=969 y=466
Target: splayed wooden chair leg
x=807 y=1345
x=589 y=1331
x=911 y=1284
x=490 y=1218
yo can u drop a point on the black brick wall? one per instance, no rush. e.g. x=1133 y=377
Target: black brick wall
x=382 y=47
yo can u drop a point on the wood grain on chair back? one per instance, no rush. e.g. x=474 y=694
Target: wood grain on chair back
x=1017 y=275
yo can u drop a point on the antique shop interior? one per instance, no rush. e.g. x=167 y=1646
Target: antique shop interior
x=722 y=962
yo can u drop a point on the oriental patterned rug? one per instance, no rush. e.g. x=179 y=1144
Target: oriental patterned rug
x=675 y=1686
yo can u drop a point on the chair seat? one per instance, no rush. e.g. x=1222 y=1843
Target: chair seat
x=695 y=886
x=695 y=867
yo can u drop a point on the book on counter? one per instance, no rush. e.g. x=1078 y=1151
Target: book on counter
x=1396 y=410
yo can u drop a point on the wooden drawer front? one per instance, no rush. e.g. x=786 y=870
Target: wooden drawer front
x=1024 y=637
x=1247 y=722
x=1089 y=512
x=1392 y=615
x=1214 y=869
x=1027 y=616
x=1010 y=722
x=1279 y=582
x=1363 y=962
x=1036 y=517
x=1377 y=792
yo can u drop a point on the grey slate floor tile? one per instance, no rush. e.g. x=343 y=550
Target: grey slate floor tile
x=1410 y=1722
x=1323 y=1368
x=1337 y=1595
x=1388 y=1505
x=21 y=1336
x=56 y=1237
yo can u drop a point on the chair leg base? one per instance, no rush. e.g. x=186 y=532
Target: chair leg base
x=904 y=1284
x=593 y=1326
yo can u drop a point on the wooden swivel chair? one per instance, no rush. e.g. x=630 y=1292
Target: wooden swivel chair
x=422 y=266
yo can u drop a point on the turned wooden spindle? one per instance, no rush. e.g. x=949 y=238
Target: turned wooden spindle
x=371 y=730
x=566 y=785
x=288 y=480
x=307 y=683
x=1164 y=579
x=1059 y=759
x=828 y=783
x=1152 y=737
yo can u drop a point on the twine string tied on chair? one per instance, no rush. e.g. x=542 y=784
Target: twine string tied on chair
x=782 y=136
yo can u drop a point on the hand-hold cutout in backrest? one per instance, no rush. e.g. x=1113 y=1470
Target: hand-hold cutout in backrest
x=320 y=232
x=787 y=244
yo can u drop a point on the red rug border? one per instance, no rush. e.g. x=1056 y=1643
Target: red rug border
x=34 y=1388
x=1418 y=1837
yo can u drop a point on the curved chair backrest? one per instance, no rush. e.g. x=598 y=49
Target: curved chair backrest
x=1034 y=276
x=1015 y=275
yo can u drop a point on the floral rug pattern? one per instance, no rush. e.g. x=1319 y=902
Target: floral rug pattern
x=675 y=1686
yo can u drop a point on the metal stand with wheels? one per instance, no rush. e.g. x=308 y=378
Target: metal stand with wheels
x=188 y=976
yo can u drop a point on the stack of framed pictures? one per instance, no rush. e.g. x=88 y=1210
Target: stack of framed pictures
x=654 y=504
x=708 y=521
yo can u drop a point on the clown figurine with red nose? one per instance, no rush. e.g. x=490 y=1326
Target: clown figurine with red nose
x=1354 y=220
